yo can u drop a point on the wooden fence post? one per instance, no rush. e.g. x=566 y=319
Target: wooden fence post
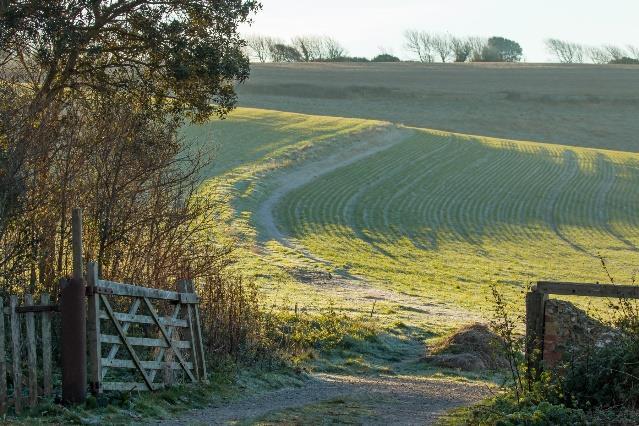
x=46 y=347
x=535 y=308
x=93 y=330
x=3 y=363
x=16 y=356
x=32 y=359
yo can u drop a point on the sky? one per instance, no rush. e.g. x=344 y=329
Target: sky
x=368 y=27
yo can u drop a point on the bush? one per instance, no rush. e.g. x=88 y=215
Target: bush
x=505 y=411
x=344 y=59
x=385 y=58
x=625 y=61
x=606 y=377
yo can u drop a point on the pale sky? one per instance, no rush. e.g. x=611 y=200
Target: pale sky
x=365 y=27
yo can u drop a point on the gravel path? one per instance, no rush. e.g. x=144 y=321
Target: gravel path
x=394 y=400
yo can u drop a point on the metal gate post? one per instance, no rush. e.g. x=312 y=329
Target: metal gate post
x=73 y=317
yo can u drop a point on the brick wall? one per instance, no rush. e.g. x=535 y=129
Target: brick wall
x=568 y=328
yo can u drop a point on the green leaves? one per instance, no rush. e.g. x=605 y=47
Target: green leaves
x=177 y=56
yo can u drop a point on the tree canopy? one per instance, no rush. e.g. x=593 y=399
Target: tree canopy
x=500 y=49
x=174 y=55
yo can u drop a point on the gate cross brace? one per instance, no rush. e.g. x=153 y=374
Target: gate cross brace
x=116 y=348
x=169 y=331
x=129 y=348
x=169 y=342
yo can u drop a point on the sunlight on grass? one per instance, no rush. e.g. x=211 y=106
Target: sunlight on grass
x=439 y=216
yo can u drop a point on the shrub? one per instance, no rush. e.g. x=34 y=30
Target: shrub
x=605 y=377
x=385 y=57
x=344 y=59
x=625 y=61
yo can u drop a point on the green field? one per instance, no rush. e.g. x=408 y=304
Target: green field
x=421 y=217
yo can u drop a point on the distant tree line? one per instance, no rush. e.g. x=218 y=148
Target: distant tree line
x=304 y=48
x=433 y=47
x=574 y=53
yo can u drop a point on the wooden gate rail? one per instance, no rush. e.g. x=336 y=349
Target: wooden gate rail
x=536 y=307
x=169 y=350
x=17 y=316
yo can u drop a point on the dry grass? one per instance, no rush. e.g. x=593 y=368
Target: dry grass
x=473 y=347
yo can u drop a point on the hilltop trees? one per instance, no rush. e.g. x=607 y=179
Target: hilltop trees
x=462 y=49
x=421 y=44
x=566 y=52
x=284 y=53
x=569 y=53
x=305 y=48
x=259 y=47
x=430 y=46
x=500 y=49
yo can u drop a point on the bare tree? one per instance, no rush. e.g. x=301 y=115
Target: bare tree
x=310 y=47
x=615 y=52
x=422 y=44
x=333 y=49
x=634 y=51
x=442 y=45
x=566 y=52
x=413 y=43
x=599 y=55
x=462 y=49
x=477 y=46
x=259 y=47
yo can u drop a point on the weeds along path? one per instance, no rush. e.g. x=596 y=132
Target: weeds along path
x=397 y=400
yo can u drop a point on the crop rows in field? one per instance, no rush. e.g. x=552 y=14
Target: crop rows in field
x=477 y=194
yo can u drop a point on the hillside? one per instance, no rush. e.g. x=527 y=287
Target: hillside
x=580 y=105
x=423 y=217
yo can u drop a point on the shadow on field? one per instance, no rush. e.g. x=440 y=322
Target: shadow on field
x=471 y=191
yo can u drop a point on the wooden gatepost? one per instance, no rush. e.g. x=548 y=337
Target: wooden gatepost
x=136 y=332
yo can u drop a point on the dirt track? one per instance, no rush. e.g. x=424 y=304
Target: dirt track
x=392 y=400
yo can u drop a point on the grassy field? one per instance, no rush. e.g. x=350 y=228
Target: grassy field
x=432 y=217
x=580 y=105
x=443 y=216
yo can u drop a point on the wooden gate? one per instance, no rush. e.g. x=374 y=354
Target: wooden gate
x=159 y=333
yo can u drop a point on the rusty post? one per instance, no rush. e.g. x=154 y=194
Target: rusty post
x=74 y=321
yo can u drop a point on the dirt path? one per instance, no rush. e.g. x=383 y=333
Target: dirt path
x=396 y=400
x=371 y=143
